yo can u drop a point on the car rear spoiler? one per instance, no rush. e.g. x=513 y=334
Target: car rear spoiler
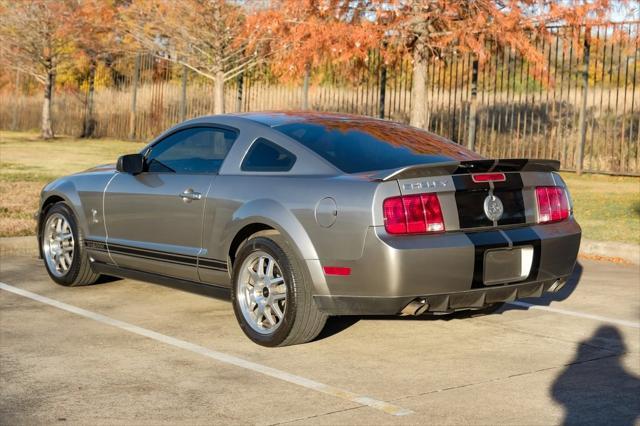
x=463 y=167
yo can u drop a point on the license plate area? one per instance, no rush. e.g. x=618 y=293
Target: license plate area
x=507 y=265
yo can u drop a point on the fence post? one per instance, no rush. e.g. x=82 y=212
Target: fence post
x=383 y=89
x=134 y=98
x=473 y=107
x=239 y=89
x=183 y=93
x=16 y=103
x=305 y=87
x=583 y=107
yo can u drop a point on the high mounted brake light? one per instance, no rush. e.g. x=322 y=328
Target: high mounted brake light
x=488 y=177
x=552 y=204
x=413 y=214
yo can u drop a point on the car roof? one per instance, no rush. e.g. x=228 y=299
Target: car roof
x=278 y=118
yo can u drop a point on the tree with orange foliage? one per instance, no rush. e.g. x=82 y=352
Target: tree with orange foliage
x=33 y=41
x=436 y=29
x=298 y=35
x=195 y=33
x=92 y=29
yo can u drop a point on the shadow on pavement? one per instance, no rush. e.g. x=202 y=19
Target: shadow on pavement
x=564 y=293
x=601 y=392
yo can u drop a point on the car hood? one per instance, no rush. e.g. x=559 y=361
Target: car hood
x=99 y=169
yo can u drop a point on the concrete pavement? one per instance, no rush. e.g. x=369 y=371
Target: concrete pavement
x=518 y=366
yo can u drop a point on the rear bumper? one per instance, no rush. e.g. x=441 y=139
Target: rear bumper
x=437 y=303
x=446 y=269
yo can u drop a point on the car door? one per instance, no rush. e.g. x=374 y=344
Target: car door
x=154 y=219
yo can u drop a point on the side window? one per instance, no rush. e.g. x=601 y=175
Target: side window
x=194 y=150
x=266 y=156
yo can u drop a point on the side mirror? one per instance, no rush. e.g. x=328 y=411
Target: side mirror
x=131 y=163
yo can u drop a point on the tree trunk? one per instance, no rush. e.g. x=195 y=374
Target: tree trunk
x=134 y=98
x=473 y=107
x=89 y=123
x=305 y=87
x=218 y=93
x=419 y=86
x=16 y=103
x=47 y=128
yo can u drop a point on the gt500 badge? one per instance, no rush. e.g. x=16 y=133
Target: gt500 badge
x=493 y=207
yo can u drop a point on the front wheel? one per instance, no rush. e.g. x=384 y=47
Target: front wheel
x=271 y=298
x=64 y=255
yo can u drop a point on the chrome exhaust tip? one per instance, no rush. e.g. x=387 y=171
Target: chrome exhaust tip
x=557 y=286
x=415 y=307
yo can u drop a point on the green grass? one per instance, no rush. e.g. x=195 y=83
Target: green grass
x=27 y=163
x=24 y=154
x=607 y=207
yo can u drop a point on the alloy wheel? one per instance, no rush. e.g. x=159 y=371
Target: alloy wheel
x=262 y=292
x=58 y=244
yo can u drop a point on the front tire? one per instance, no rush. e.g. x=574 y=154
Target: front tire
x=62 y=248
x=271 y=297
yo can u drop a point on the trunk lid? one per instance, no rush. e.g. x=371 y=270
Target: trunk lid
x=469 y=204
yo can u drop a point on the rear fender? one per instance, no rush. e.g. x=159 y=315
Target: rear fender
x=273 y=214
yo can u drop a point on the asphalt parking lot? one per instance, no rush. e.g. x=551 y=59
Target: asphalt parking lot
x=131 y=352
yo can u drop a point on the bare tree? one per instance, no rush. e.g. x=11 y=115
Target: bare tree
x=32 y=41
x=198 y=34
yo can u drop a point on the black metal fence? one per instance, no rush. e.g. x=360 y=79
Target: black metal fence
x=582 y=112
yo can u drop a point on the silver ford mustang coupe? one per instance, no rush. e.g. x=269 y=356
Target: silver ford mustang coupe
x=300 y=216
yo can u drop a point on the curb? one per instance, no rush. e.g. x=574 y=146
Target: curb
x=609 y=250
x=606 y=250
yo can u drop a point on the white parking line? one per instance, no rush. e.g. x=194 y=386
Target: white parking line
x=218 y=356
x=576 y=314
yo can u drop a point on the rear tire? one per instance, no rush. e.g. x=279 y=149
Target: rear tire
x=62 y=248
x=271 y=296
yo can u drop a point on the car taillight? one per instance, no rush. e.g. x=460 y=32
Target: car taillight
x=413 y=214
x=552 y=204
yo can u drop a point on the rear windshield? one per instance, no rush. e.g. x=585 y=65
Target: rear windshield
x=356 y=147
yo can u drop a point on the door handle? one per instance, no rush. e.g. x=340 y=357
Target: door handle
x=188 y=195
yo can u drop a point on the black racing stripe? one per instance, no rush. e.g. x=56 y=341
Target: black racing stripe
x=152 y=253
x=507 y=165
x=213 y=269
x=525 y=237
x=476 y=166
x=156 y=255
x=470 y=198
x=471 y=209
x=212 y=264
x=513 y=181
x=482 y=242
x=466 y=183
x=179 y=259
x=513 y=203
x=511 y=165
x=138 y=256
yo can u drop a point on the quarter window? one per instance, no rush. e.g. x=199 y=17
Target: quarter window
x=193 y=150
x=266 y=156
